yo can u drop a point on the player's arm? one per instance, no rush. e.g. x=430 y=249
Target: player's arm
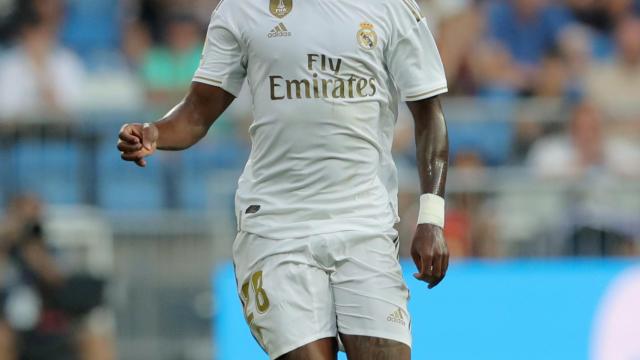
x=217 y=81
x=181 y=128
x=429 y=248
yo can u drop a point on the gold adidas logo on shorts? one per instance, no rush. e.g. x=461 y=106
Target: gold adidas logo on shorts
x=397 y=318
x=279 y=31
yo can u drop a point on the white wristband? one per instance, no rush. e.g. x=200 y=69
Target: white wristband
x=431 y=210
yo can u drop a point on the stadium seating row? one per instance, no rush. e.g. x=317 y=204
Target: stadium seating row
x=66 y=173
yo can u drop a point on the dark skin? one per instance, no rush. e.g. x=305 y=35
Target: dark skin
x=180 y=129
x=429 y=248
x=323 y=349
x=190 y=121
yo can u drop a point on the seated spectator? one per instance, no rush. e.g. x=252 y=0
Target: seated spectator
x=39 y=78
x=168 y=69
x=29 y=270
x=585 y=149
x=615 y=85
x=42 y=310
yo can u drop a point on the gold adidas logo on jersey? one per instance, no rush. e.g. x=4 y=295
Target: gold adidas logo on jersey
x=280 y=8
x=279 y=30
x=367 y=37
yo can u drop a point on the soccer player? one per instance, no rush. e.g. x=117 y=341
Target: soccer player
x=316 y=251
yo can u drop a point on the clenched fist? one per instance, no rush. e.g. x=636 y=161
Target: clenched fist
x=430 y=254
x=137 y=141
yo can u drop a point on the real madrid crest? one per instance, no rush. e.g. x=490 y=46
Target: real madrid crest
x=367 y=37
x=280 y=8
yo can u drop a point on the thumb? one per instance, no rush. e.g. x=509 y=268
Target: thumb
x=149 y=135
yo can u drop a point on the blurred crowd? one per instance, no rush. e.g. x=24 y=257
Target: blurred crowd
x=60 y=57
x=494 y=49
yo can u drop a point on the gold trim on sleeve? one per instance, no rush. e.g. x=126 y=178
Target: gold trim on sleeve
x=414 y=10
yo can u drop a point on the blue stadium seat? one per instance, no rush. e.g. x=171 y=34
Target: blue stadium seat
x=491 y=139
x=50 y=169
x=200 y=166
x=91 y=25
x=193 y=190
x=124 y=186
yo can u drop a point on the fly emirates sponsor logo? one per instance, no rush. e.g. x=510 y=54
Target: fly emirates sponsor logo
x=339 y=86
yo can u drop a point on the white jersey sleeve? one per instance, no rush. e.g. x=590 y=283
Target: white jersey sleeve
x=412 y=56
x=224 y=61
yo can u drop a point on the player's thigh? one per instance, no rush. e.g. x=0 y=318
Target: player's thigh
x=323 y=349
x=287 y=300
x=370 y=294
x=373 y=348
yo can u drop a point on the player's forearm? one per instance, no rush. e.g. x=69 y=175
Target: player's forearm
x=181 y=128
x=189 y=121
x=432 y=145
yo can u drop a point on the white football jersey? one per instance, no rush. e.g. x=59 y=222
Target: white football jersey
x=325 y=78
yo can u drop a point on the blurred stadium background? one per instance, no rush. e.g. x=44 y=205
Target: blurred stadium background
x=544 y=120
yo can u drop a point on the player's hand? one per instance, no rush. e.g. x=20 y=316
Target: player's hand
x=429 y=252
x=137 y=141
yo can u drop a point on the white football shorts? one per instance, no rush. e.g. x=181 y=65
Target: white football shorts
x=300 y=290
